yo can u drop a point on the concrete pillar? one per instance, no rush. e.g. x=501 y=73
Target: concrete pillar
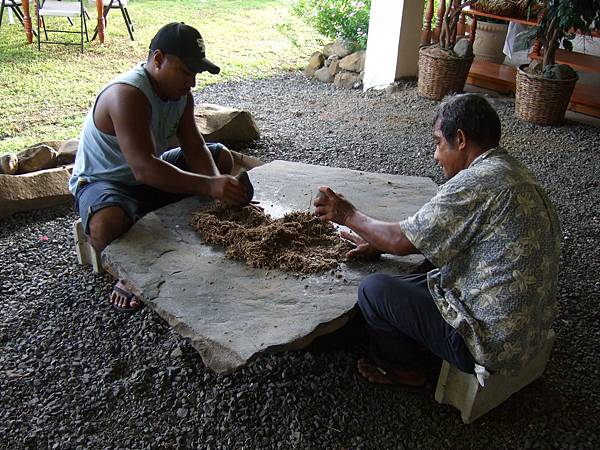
x=393 y=43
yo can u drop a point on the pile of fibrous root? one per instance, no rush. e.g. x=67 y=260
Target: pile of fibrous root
x=298 y=242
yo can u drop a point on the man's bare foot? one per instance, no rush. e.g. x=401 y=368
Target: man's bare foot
x=123 y=300
x=379 y=375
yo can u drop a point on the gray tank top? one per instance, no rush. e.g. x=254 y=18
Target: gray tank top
x=99 y=156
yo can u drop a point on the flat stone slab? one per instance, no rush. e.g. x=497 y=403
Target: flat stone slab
x=231 y=312
x=34 y=190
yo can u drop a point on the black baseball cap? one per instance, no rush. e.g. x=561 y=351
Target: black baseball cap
x=185 y=42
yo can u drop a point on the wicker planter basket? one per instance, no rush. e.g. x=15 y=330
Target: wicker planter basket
x=440 y=75
x=542 y=100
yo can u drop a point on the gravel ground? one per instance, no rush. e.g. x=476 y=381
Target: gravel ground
x=75 y=374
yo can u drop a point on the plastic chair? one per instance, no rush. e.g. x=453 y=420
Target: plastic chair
x=13 y=6
x=116 y=4
x=59 y=8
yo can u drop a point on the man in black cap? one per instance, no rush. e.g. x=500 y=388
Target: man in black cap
x=124 y=169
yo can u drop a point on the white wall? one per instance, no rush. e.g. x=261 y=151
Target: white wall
x=393 y=43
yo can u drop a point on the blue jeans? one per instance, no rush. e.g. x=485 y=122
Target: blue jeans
x=402 y=319
x=136 y=200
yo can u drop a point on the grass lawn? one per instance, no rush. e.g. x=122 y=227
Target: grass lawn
x=45 y=95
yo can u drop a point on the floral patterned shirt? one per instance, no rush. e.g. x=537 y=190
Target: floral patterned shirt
x=495 y=237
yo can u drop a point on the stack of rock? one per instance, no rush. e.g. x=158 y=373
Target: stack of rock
x=337 y=63
x=45 y=155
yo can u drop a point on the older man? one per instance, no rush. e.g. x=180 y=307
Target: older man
x=494 y=237
x=123 y=170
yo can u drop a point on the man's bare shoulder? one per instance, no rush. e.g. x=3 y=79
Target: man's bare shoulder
x=120 y=101
x=122 y=95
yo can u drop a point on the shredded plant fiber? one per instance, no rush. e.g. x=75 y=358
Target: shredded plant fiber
x=298 y=242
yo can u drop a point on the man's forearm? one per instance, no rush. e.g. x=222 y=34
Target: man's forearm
x=201 y=161
x=387 y=237
x=166 y=177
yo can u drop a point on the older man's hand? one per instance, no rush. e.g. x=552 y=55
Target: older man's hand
x=363 y=249
x=332 y=206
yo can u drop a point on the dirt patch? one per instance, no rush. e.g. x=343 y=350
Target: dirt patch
x=298 y=242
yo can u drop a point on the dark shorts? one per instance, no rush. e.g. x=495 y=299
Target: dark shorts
x=136 y=201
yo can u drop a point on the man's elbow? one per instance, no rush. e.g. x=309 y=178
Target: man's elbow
x=142 y=174
x=402 y=246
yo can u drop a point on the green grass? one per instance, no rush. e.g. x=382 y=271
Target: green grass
x=45 y=95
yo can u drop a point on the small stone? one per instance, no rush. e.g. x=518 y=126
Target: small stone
x=342 y=48
x=346 y=79
x=316 y=60
x=334 y=64
x=463 y=48
x=182 y=413
x=309 y=72
x=177 y=352
x=354 y=62
x=324 y=75
x=328 y=50
x=9 y=164
x=559 y=72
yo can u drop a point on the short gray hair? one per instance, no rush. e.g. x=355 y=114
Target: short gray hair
x=472 y=114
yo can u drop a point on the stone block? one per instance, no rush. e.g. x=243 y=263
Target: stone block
x=222 y=124
x=464 y=392
x=34 y=190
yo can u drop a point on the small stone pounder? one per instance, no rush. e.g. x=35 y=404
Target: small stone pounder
x=243 y=178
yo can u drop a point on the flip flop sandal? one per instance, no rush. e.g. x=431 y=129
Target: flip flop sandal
x=128 y=296
x=394 y=381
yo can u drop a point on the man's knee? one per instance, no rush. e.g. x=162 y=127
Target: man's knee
x=224 y=161
x=372 y=290
x=106 y=225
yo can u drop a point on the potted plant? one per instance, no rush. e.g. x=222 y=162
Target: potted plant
x=544 y=88
x=444 y=67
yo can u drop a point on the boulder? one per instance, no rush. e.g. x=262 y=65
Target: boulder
x=354 y=62
x=316 y=60
x=38 y=157
x=348 y=80
x=463 y=48
x=67 y=152
x=219 y=123
x=324 y=75
x=342 y=48
x=9 y=164
x=34 y=190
